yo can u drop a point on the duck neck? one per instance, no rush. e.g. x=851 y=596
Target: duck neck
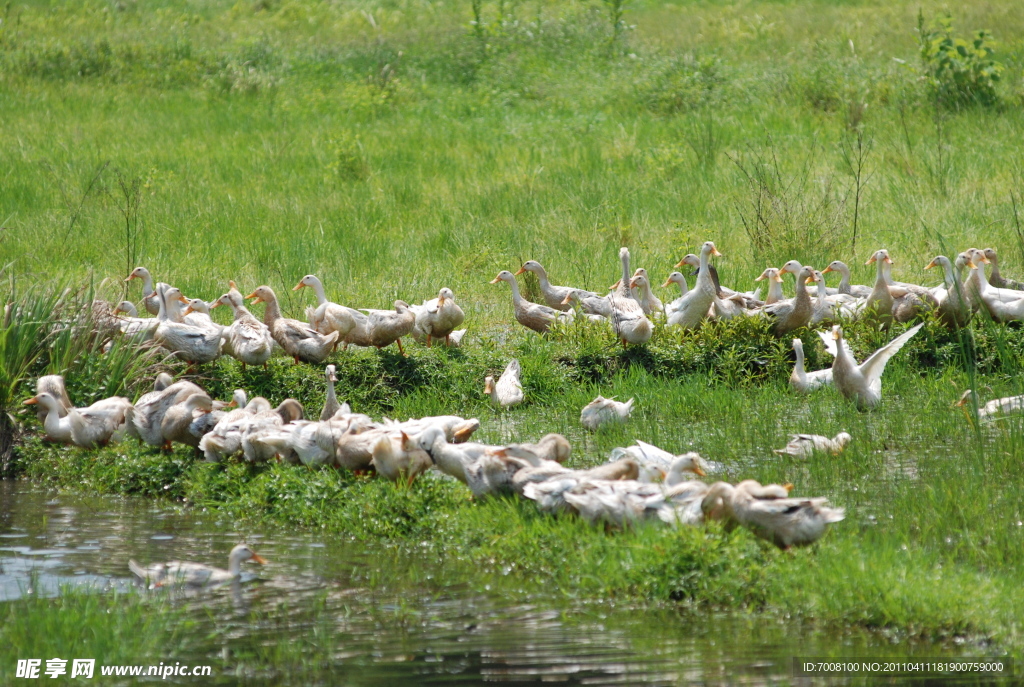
x=802 y=297
x=684 y=288
x=843 y=358
x=51 y=423
x=995 y=269
x=240 y=311
x=331 y=398
x=886 y=271
x=147 y=283
x=775 y=293
x=704 y=280
x=318 y=289
x=798 y=368
x=624 y=284
x=272 y=312
x=542 y=277
x=844 y=281
x=516 y=296
x=822 y=293
x=234 y=565
x=880 y=280
x=161 y=302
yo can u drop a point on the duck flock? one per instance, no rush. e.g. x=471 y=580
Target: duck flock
x=641 y=482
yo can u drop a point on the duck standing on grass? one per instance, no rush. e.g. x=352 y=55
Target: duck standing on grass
x=555 y=296
x=437 y=318
x=246 y=339
x=296 y=338
x=196 y=575
x=533 y=316
x=863 y=383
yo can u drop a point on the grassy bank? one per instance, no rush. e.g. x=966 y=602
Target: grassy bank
x=930 y=547
x=395 y=149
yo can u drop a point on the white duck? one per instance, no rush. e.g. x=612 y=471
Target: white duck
x=804 y=445
x=954 y=308
x=186 y=574
x=795 y=312
x=863 y=383
x=97 y=425
x=845 y=287
x=437 y=318
x=150 y=410
x=996 y=279
x=150 y=299
x=693 y=308
x=327 y=317
x=194 y=344
x=554 y=296
x=399 y=458
x=629 y=322
x=880 y=302
x=533 y=316
x=246 y=338
x=640 y=283
x=1010 y=405
x=650 y=456
x=775 y=293
x=785 y=522
x=803 y=381
x=508 y=391
x=133 y=325
x=603 y=410
x=684 y=288
x=331 y=404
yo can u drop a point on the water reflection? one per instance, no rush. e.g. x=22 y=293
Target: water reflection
x=350 y=614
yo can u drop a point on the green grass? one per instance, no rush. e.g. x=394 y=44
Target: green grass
x=393 y=149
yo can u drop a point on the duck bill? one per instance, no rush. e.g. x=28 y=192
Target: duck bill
x=567 y=300
x=259 y=559
x=930 y=265
x=632 y=283
x=255 y=298
x=716 y=253
x=215 y=304
x=189 y=310
x=788 y=486
x=496 y=280
x=461 y=435
x=699 y=471
x=871 y=260
x=440 y=301
x=31 y=401
x=182 y=299
x=668 y=282
x=615 y=285
x=521 y=270
x=778 y=278
x=488 y=387
x=298 y=286
x=680 y=263
x=129 y=277
x=827 y=270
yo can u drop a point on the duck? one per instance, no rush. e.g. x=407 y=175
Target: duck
x=991 y=298
x=775 y=293
x=551 y=447
x=650 y=303
x=909 y=300
x=880 y=302
x=785 y=522
x=845 y=287
x=399 y=459
x=508 y=391
x=133 y=325
x=327 y=317
x=194 y=344
x=97 y=425
x=596 y=308
x=246 y=339
x=996 y=279
x=331 y=405
x=162 y=381
x=150 y=408
x=796 y=312
x=1010 y=405
x=804 y=445
x=53 y=385
x=225 y=439
x=186 y=574
x=176 y=422
x=684 y=288
x=298 y=340
x=533 y=316
x=197 y=313
x=954 y=308
x=603 y=410
x=802 y=381
x=150 y=298
x=648 y=455
x=437 y=318
x=863 y=383
x=629 y=322
x=694 y=307
x=381 y=328
x=554 y=296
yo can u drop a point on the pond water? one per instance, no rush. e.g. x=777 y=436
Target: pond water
x=381 y=619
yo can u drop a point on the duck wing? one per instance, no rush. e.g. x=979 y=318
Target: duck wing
x=874 y=366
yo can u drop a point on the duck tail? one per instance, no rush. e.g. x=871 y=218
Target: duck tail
x=833 y=514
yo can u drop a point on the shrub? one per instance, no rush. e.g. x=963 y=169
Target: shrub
x=958 y=72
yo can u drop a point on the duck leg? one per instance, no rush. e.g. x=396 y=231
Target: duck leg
x=400 y=349
x=448 y=340
x=428 y=340
x=296 y=359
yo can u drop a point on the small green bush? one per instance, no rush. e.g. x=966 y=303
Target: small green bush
x=959 y=72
